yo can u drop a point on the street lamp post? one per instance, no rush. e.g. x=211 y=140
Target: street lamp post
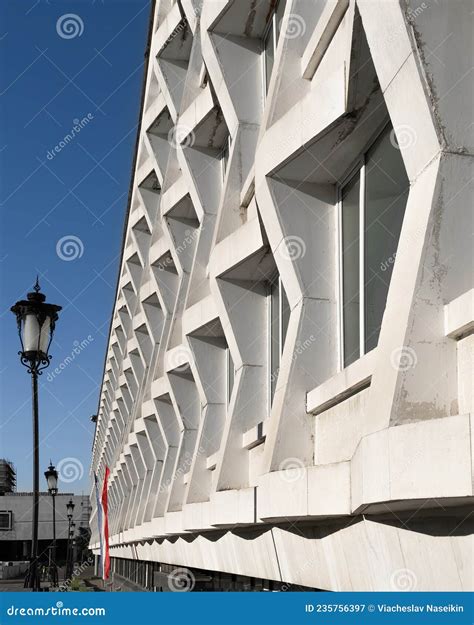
x=70 y=511
x=71 y=549
x=51 y=476
x=36 y=322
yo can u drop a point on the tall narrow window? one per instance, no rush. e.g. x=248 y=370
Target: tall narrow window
x=350 y=269
x=386 y=194
x=230 y=375
x=270 y=41
x=203 y=77
x=224 y=156
x=268 y=53
x=372 y=206
x=278 y=315
x=279 y=12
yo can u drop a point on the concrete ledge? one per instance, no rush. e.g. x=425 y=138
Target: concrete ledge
x=248 y=189
x=146 y=287
x=299 y=492
x=236 y=248
x=199 y=314
x=148 y=408
x=459 y=315
x=211 y=461
x=325 y=30
x=145 y=169
x=139 y=319
x=154 y=110
x=231 y=508
x=166 y=28
x=174 y=523
x=255 y=436
x=329 y=489
x=158 y=249
x=197 y=517
x=349 y=381
x=159 y=387
x=177 y=357
x=417 y=461
x=174 y=194
x=197 y=111
x=158 y=526
x=146 y=530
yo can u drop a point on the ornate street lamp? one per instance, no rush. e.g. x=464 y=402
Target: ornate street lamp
x=36 y=323
x=70 y=511
x=51 y=476
x=70 y=532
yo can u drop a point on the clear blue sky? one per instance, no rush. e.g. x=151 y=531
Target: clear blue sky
x=52 y=73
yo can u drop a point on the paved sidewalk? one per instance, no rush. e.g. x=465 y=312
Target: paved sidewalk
x=12 y=585
x=16 y=585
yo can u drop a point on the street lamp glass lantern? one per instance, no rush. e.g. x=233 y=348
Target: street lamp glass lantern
x=70 y=508
x=51 y=476
x=36 y=320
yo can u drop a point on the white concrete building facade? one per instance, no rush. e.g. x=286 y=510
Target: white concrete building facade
x=287 y=392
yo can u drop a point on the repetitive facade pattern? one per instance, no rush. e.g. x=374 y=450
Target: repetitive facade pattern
x=288 y=386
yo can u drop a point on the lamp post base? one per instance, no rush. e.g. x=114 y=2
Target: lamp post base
x=53 y=575
x=32 y=577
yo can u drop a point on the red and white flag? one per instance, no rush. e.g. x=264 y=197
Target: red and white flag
x=103 y=521
x=105 y=517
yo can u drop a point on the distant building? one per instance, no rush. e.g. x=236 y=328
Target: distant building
x=16 y=510
x=7 y=476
